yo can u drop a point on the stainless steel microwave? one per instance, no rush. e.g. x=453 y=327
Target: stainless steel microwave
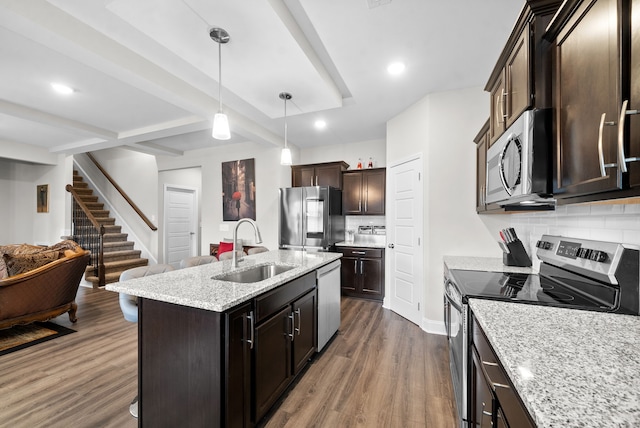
x=519 y=162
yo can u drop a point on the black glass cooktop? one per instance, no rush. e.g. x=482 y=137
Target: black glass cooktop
x=554 y=287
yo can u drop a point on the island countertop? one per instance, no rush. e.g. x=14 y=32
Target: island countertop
x=571 y=368
x=195 y=287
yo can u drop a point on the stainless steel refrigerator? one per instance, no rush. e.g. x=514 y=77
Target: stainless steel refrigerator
x=310 y=217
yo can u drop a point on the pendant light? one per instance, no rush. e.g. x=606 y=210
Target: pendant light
x=220 y=129
x=285 y=156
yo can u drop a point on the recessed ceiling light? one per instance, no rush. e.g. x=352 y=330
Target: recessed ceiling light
x=396 y=68
x=320 y=124
x=62 y=89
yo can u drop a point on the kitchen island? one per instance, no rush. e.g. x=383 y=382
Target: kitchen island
x=571 y=368
x=220 y=353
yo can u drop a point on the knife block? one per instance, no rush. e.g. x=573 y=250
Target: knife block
x=517 y=255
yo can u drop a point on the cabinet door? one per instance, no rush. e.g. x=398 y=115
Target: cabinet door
x=481 y=175
x=305 y=330
x=517 y=84
x=352 y=193
x=586 y=56
x=302 y=176
x=238 y=367
x=329 y=175
x=374 y=192
x=634 y=101
x=481 y=398
x=497 y=110
x=370 y=271
x=272 y=355
x=349 y=275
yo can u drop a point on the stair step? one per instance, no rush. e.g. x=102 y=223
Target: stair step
x=117 y=246
x=113 y=237
x=108 y=278
x=119 y=266
x=94 y=205
x=83 y=191
x=80 y=185
x=88 y=198
x=108 y=228
x=106 y=220
x=113 y=256
x=100 y=213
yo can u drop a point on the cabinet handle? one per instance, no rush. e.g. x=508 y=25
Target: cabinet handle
x=487 y=363
x=503 y=110
x=251 y=329
x=600 y=153
x=299 y=320
x=361 y=263
x=292 y=328
x=311 y=183
x=500 y=385
x=622 y=159
x=355 y=267
x=316 y=180
x=358 y=252
x=485 y=413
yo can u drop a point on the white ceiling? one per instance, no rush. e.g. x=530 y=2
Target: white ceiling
x=145 y=72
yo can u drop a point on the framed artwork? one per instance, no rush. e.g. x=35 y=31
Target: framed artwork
x=238 y=190
x=42 y=198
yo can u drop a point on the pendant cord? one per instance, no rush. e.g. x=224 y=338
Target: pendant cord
x=220 y=76
x=285 y=122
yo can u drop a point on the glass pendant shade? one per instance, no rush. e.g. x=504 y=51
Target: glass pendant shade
x=285 y=156
x=221 y=127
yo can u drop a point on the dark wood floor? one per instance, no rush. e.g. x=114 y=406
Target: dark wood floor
x=379 y=371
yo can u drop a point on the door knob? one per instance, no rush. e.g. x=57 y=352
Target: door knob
x=391 y=246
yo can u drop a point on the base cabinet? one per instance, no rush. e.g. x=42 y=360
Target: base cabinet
x=204 y=368
x=362 y=272
x=493 y=401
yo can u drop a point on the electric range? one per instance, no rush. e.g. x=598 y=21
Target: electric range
x=574 y=273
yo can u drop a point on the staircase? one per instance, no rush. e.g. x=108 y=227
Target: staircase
x=119 y=254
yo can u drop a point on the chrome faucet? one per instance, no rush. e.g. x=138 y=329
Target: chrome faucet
x=234 y=260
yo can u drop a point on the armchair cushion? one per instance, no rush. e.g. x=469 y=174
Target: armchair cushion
x=21 y=263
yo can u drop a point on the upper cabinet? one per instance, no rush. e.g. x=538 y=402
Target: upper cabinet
x=364 y=192
x=519 y=80
x=319 y=174
x=596 y=95
x=482 y=141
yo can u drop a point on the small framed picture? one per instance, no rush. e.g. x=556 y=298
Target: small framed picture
x=42 y=196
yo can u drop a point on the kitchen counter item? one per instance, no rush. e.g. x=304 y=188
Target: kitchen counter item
x=571 y=368
x=195 y=287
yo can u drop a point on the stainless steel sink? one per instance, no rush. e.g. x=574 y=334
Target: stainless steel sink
x=255 y=274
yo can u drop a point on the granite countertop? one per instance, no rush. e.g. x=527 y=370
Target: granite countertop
x=490 y=264
x=194 y=287
x=571 y=368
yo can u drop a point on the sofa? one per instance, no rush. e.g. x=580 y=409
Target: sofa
x=39 y=283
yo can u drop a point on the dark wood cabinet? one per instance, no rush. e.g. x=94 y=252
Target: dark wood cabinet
x=362 y=272
x=521 y=76
x=319 y=174
x=597 y=144
x=364 y=192
x=493 y=400
x=237 y=364
x=182 y=379
x=285 y=338
x=482 y=141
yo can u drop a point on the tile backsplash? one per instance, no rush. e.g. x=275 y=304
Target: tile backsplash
x=351 y=222
x=614 y=223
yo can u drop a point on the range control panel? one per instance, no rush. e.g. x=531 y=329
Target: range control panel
x=598 y=259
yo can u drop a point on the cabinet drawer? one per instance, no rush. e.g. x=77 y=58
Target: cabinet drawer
x=272 y=301
x=361 y=252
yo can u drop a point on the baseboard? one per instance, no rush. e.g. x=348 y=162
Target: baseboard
x=433 y=327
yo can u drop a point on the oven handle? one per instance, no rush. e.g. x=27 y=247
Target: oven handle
x=450 y=299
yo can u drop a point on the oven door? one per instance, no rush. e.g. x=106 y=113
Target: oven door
x=455 y=316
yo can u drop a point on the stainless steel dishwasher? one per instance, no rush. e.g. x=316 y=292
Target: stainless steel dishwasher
x=328 y=302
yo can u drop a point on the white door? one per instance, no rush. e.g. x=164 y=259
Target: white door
x=404 y=238
x=181 y=231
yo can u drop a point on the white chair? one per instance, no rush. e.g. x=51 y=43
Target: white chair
x=257 y=250
x=197 y=261
x=129 y=304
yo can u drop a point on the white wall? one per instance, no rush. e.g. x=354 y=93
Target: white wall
x=442 y=126
x=350 y=153
x=21 y=222
x=270 y=176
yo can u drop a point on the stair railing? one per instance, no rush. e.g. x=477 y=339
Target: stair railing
x=88 y=233
x=123 y=193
